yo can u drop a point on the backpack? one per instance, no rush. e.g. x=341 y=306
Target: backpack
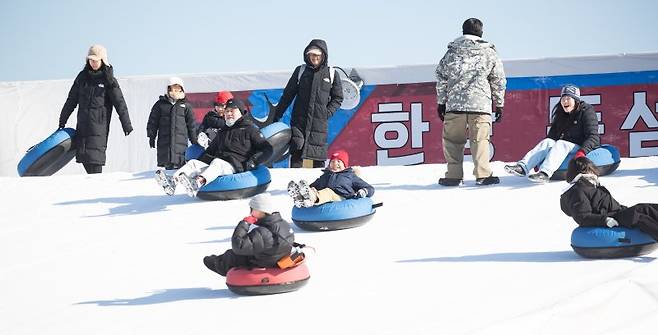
x=332 y=73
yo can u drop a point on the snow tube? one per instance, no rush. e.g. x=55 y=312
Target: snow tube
x=50 y=155
x=278 y=134
x=194 y=151
x=606 y=158
x=335 y=215
x=617 y=242
x=260 y=281
x=237 y=186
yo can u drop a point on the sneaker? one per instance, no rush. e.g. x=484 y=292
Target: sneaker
x=491 y=180
x=307 y=194
x=515 y=169
x=293 y=191
x=539 y=177
x=191 y=184
x=450 y=181
x=165 y=181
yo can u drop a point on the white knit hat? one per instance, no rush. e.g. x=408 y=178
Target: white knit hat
x=176 y=81
x=263 y=203
x=98 y=52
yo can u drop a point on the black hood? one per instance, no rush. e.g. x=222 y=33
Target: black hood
x=320 y=44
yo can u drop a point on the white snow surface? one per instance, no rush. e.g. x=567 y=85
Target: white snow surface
x=111 y=254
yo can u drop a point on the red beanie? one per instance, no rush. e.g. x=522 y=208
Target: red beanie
x=222 y=97
x=342 y=155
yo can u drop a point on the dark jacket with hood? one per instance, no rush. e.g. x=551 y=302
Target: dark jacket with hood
x=579 y=127
x=265 y=244
x=94 y=93
x=317 y=100
x=211 y=124
x=344 y=183
x=173 y=124
x=589 y=203
x=242 y=145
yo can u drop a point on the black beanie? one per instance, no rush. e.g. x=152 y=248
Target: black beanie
x=472 y=26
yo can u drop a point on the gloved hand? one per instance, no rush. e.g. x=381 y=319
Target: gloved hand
x=202 y=139
x=249 y=165
x=441 y=110
x=127 y=132
x=61 y=126
x=362 y=193
x=250 y=219
x=498 y=114
x=152 y=142
x=611 y=222
x=579 y=153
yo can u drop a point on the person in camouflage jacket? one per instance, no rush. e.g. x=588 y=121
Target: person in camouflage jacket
x=470 y=77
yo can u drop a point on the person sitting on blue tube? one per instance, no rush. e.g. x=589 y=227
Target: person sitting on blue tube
x=338 y=182
x=591 y=205
x=574 y=127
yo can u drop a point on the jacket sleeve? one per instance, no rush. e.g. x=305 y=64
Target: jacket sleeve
x=289 y=93
x=358 y=183
x=591 y=130
x=261 y=147
x=71 y=101
x=577 y=205
x=336 y=95
x=321 y=182
x=552 y=131
x=441 y=84
x=247 y=243
x=153 y=123
x=212 y=120
x=497 y=81
x=119 y=104
x=189 y=121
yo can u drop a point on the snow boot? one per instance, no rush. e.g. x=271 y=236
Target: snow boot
x=190 y=183
x=293 y=191
x=166 y=182
x=307 y=194
x=491 y=180
x=450 y=181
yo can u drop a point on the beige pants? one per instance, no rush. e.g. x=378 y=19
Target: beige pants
x=323 y=196
x=454 y=140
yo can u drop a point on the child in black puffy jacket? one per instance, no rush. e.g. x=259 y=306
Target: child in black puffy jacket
x=592 y=205
x=338 y=182
x=260 y=239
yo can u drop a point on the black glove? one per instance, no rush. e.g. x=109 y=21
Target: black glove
x=61 y=126
x=498 y=114
x=441 y=110
x=152 y=142
x=249 y=165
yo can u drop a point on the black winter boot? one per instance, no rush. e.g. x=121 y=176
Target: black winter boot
x=450 y=181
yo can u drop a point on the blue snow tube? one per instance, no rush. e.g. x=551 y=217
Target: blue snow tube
x=606 y=158
x=335 y=215
x=237 y=186
x=194 y=151
x=50 y=155
x=278 y=134
x=617 y=242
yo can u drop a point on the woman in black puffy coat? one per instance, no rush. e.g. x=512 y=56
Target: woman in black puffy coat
x=591 y=205
x=171 y=122
x=95 y=92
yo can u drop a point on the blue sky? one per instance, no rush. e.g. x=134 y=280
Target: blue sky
x=49 y=39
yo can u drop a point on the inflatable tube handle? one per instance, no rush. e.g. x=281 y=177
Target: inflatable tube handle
x=379 y=204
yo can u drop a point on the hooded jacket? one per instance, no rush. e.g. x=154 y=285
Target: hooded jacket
x=589 y=203
x=173 y=124
x=580 y=126
x=94 y=93
x=266 y=243
x=317 y=99
x=240 y=145
x=469 y=76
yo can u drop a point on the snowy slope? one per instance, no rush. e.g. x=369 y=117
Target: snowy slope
x=111 y=254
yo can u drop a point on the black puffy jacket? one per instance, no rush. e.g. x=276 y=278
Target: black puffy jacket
x=580 y=126
x=239 y=145
x=269 y=241
x=589 y=205
x=317 y=100
x=94 y=93
x=344 y=183
x=211 y=124
x=172 y=124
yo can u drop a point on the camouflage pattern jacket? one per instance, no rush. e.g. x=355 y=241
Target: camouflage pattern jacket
x=469 y=76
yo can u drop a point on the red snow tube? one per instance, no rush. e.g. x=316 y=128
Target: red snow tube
x=261 y=281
